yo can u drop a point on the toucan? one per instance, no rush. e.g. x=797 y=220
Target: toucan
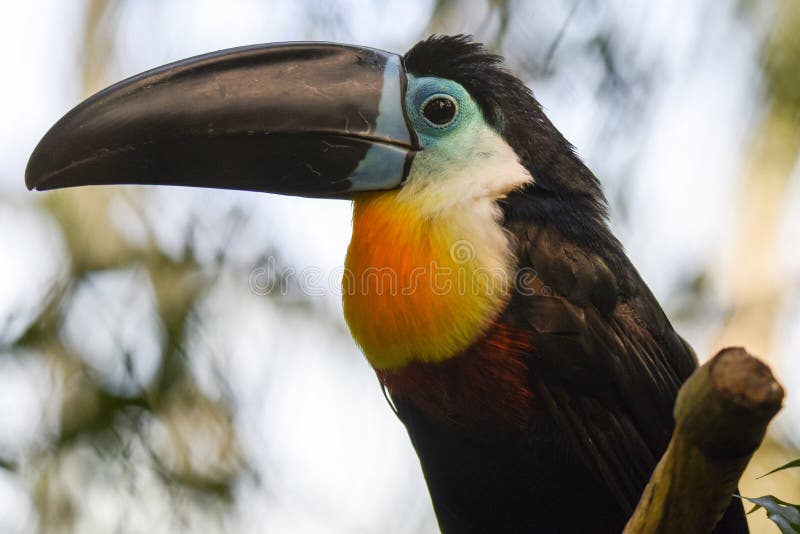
x=534 y=370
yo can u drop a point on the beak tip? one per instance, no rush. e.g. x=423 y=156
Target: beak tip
x=43 y=172
x=30 y=179
x=33 y=175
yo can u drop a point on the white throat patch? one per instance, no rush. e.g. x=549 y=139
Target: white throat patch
x=473 y=166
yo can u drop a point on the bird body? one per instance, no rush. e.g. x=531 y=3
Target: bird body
x=538 y=389
x=533 y=368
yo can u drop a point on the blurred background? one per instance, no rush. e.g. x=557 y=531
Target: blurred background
x=162 y=371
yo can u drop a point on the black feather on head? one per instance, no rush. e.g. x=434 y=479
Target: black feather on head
x=566 y=192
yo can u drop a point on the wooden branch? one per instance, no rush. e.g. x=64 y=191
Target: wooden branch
x=721 y=415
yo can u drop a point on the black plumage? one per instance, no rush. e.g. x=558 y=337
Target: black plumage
x=604 y=362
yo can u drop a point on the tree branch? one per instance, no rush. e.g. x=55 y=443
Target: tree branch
x=721 y=416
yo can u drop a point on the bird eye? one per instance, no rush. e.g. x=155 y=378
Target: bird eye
x=440 y=110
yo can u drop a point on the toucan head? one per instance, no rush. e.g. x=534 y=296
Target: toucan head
x=306 y=119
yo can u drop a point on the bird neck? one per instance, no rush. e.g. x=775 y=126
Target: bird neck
x=422 y=286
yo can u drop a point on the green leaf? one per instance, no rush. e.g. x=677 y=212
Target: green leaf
x=793 y=463
x=785 y=515
x=754 y=508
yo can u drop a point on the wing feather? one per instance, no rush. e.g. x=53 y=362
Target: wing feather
x=606 y=362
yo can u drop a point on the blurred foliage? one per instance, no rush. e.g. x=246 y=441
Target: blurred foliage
x=169 y=440
x=196 y=454
x=781 y=59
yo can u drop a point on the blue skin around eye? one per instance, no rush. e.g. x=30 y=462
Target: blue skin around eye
x=383 y=165
x=419 y=90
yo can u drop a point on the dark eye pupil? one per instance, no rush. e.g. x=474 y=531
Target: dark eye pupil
x=440 y=110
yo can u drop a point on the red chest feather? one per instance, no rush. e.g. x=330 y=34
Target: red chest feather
x=487 y=383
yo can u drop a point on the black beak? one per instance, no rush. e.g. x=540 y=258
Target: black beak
x=307 y=119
